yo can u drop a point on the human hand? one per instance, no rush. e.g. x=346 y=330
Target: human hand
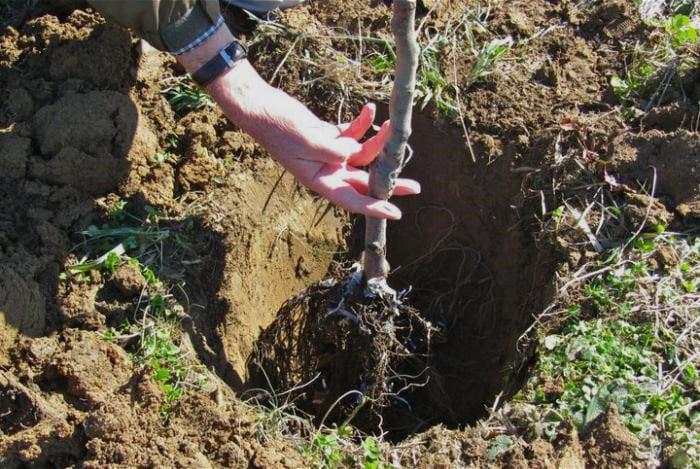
x=322 y=156
x=325 y=158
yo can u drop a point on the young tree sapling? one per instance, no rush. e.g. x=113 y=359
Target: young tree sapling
x=386 y=168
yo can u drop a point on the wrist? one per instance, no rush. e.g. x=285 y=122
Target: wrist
x=194 y=59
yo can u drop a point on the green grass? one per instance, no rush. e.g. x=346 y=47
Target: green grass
x=122 y=238
x=489 y=54
x=659 y=61
x=432 y=85
x=632 y=341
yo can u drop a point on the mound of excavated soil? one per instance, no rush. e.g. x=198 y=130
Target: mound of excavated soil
x=85 y=118
x=82 y=118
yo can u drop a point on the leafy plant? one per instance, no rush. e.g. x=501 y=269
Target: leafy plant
x=653 y=64
x=431 y=83
x=682 y=30
x=489 y=54
x=185 y=97
x=336 y=448
x=158 y=350
x=498 y=445
x=629 y=353
x=635 y=81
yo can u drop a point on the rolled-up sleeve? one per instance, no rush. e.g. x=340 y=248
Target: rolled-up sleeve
x=176 y=26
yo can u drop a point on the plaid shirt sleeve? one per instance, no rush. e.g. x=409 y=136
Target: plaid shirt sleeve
x=176 y=26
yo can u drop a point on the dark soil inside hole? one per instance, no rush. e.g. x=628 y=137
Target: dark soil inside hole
x=465 y=250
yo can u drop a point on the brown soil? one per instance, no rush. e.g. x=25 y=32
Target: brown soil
x=82 y=118
x=74 y=131
x=670 y=158
x=608 y=441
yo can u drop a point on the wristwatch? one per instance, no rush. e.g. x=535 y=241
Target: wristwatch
x=226 y=59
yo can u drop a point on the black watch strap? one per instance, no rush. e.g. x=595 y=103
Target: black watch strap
x=227 y=58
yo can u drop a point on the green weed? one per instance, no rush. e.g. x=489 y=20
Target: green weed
x=158 y=350
x=152 y=341
x=112 y=244
x=336 y=448
x=326 y=447
x=681 y=31
x=487 y=57
x=655 y=63
x=638 y=349
x=186 y=97
x=151 y=336
x=432 y=84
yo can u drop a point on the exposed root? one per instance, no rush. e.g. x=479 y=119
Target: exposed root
x=373 y=355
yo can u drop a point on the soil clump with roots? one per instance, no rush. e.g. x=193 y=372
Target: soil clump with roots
x=362 y=359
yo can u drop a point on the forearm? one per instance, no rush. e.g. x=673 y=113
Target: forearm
x=247 y=100
x=266 y=113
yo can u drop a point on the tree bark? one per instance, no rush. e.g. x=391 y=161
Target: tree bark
x=386 y=168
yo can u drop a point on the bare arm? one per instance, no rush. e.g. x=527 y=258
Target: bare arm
x=321 y=155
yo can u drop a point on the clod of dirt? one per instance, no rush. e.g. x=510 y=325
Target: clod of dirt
x=671 y=157
x=77 y=306
x=569 y=450
x=102 y=60
x=14 y=151
x=553 y=387
x=642 y=209
x=608 y=443
x=129 y=280
x=83 y=367
x=18 y=408
x=22 y=309
x=100 y=123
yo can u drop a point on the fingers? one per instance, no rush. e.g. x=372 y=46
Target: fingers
x=360 y=179
x=346 y=148
x=371 y=148
x=344 y=195
x=359 y=127
x=331 y=184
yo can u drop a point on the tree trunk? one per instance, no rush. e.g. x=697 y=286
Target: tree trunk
x=386 y=168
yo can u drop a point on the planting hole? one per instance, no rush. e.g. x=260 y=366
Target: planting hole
x=464 y=249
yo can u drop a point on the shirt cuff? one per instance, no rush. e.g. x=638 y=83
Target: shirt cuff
x=189 y=31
